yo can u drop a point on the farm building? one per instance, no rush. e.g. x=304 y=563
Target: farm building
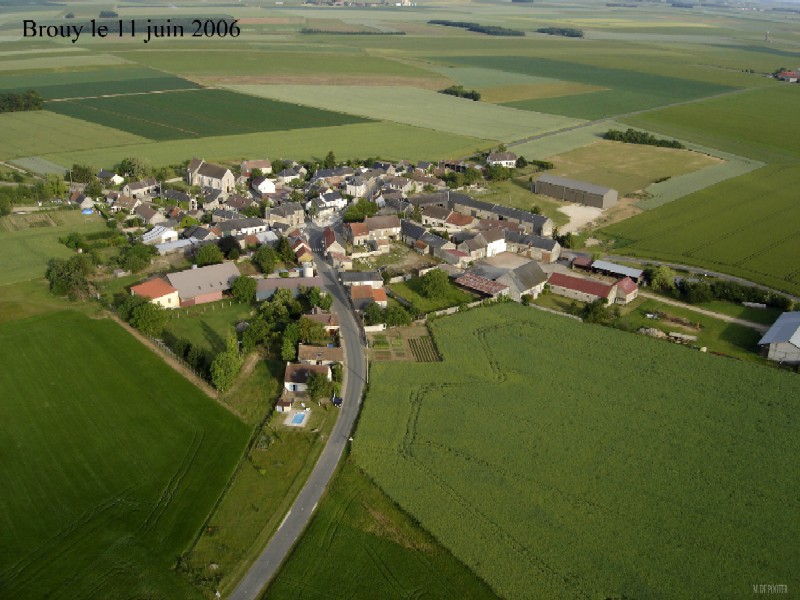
x=571 y=190
x=370 y=278
x=159 y=235
x=158 y=292
x=627 y=291
x=520 y=275
x=603 y=267
x=295 y=378
x=482 y=285
x=205 y=284
x=584 y=290
x=539 y=248
x=782 y=341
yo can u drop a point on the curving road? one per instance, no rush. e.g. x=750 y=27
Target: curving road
x=253 y=584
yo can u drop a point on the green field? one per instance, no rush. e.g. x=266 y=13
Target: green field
x=674 y=476
x=388 y=140
x=630 y=91
x=61 y=62
x=103 y=489
x=197 y=113
x=745 y=226
x=361 y=545
x=208 y=326
x=40 y=132
x=86 y=83
x=752 y=124
x=27 y=242
x=411 y=291
x=420 y=108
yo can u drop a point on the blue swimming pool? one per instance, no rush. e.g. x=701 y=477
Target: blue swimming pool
x=298 y=418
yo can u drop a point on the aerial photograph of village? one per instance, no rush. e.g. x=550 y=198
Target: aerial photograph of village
x=399 y=300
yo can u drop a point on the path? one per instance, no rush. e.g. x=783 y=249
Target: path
x=297 y=519
x=709 y=313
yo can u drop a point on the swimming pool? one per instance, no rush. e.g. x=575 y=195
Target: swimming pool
x=298 y=418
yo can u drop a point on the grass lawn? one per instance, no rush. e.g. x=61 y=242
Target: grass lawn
x=42 y=131
x=766 y=316
x=262 y=492
x=657 y=464
x=411 y=291
x=27 y=242
x=32 y=297
x=378 y=551
x=208 y=325
x=110 y=471
x=389 y=140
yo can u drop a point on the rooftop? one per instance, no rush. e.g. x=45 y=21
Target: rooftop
x=155 y=288
x=574 y=184
x=785 y=330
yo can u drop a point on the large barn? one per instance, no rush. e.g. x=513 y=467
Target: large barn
x=571 y=190
x=782 y=341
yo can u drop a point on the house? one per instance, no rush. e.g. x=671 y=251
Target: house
x=387 y=226
x=139 y=189
x=211 y=176
x=265 y=288
x=357 y=233
x=328 y=320
x=238 y=203
x=525 y=221
x=125 y=204
x=520 y=275
x=177 y=196
x=332 y=242
x=86 y=203
x=332 y=177
x=148 y=214
x=295 y=378
x=790 y=76
x=403 y=185
x=210 y=199
x=291 y=214
x=539 y=248
x=571 y=190
x=247 y=167
x=199 y=233
x=782 y=341
x=327 y=201
x=160 y=235
x=627 y=291
x=263 y=185
x=369 y=278
x=364 y=295
x=502 y=159
x=158 y=292
x=247 y=226
x=484 y=244
x=203 y=284
x=458 y=221
x=435 y=216
x=410 y=231
x=584 y=290
x=423 y=166
x=287 y=176
x=319 y=355
x=110 y=178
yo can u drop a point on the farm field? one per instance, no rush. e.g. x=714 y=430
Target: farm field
x=378 y=551
x=751 y=124
x=198 y=113
x=95 y=82
x=420 y=108
x=745 y=226
x=27 y=242
x=103 y=493
x=657 y=466
x=33 y=133
x=61 y=62
x=627 y=167
x=388 y=140
x=627 y=93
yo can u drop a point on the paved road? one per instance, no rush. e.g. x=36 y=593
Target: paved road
x=709 y=313
x=270 y=560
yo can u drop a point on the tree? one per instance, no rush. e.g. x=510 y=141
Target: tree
x=359 y=210
x=373 y=314
x=137 y=257
x=291 y=336
x=81 y=173
x=227 y=245
x=325 y=302
x=5 y=206
x=311 y=332
x=209 y=255
x=94 y=189
x=297 y=196
x=662 y=278
x=265 y=259
x=149 y=318
x=521 y=162
x=284 y=250
x=416 y=214
x=435 y=284
x=135 y=168
x=497 y=173
x=70 y=277
x=330 y=160
x=226 y=366
x=397 y=316
x=244 y=289
x=126 y=304
x=318 y=387
x=313 y=295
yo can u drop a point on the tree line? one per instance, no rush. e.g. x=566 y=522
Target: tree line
x=632 y=136
x=20 y=101
x=478 y=28
x=562 y=31
x=460 y=92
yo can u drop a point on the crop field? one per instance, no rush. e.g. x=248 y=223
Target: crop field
x=627 y=167
x=377 y=550
x=110 y=471
x=745 y=226
x=200 y=113
x=423 y=349
x=751 y=124
x=40 y=132
x=388 y=140
x=420 y=108
x=27 y=242
x=96 y=82
x=61 y=62
x=542 y=472
x=630 y=91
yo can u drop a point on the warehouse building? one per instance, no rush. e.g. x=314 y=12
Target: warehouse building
x=571 y=190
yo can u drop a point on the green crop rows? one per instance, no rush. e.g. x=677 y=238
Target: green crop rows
x=109 y=471
x=199 y=113
x=531 y=458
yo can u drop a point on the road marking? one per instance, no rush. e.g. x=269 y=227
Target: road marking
x=284 y=518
